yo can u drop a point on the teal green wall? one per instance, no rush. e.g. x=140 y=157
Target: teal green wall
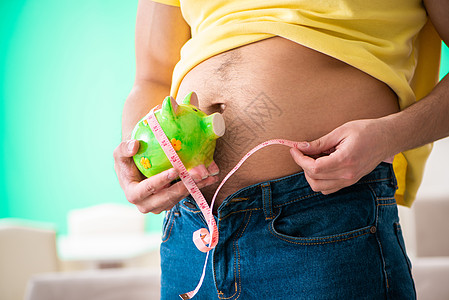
x=65 y=69
x=444 y=68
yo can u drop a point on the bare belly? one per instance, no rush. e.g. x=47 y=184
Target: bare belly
x=276 y=88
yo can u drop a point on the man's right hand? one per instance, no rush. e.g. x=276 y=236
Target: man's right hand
x=155 y=194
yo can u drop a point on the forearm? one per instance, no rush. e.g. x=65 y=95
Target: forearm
x=161 y=31
x=424 y=122
x=143 y=96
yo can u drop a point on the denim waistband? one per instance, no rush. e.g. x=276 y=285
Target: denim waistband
x=254 y=196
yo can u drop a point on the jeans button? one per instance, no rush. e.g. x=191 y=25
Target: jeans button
x=373 y=229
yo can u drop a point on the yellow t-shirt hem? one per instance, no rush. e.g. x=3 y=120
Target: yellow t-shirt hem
x=168 y=2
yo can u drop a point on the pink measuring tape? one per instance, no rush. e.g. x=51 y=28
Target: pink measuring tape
x=205 y=240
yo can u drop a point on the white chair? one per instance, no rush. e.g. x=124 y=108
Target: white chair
x=105 y=219
x=106 y=236
x=26 y=249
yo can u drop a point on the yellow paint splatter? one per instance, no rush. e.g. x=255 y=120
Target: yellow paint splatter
x=176 y=144
x=145 y=162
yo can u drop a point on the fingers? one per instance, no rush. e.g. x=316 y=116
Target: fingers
x=329 y=186
x=123 y=162
x=325 y=167
x=325 y=144
x=155 y=194
x=147 y=187
x=325 y=174
x=124 y=165
x=213 y=169
x=168 y=196
x=310 y=155
x=305 y=162
x=353 y=150
x=126 y=149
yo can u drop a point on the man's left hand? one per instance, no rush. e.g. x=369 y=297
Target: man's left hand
x=343 y=156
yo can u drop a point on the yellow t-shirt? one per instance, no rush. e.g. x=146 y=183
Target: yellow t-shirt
x=392 y=41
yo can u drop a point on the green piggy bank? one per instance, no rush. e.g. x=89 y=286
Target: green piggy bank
x=192 y=133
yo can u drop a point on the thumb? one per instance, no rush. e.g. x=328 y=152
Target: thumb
x=126 y=150
x=325 y=144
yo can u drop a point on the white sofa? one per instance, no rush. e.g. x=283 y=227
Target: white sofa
x=112 y=284
x=26 y=248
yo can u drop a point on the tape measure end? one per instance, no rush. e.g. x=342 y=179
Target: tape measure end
x=184 y=296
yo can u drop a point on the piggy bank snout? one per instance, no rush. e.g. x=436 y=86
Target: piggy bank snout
x=218 y=124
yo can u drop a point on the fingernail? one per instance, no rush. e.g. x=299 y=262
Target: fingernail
x=213 y=169
x=130 y=146
x=196 y=178
x=172 y=174
x=203 y=172
x=303 y=145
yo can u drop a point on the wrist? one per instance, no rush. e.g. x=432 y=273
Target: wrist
x=389 y=137
x=407 y=129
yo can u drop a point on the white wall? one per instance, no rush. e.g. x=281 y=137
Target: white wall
x=435 y=185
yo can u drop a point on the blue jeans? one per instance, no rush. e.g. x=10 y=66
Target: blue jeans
x=281 y=240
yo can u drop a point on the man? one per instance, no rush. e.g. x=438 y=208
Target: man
x=316 y=222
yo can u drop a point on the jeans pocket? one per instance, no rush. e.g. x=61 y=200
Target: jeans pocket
x=321 y=219
x=167 y=225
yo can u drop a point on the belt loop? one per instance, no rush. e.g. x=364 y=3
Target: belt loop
x=394 y=180
x=266 y=199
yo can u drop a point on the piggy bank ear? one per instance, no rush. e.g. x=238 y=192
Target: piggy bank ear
x=191 y=98
x=169 y=107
